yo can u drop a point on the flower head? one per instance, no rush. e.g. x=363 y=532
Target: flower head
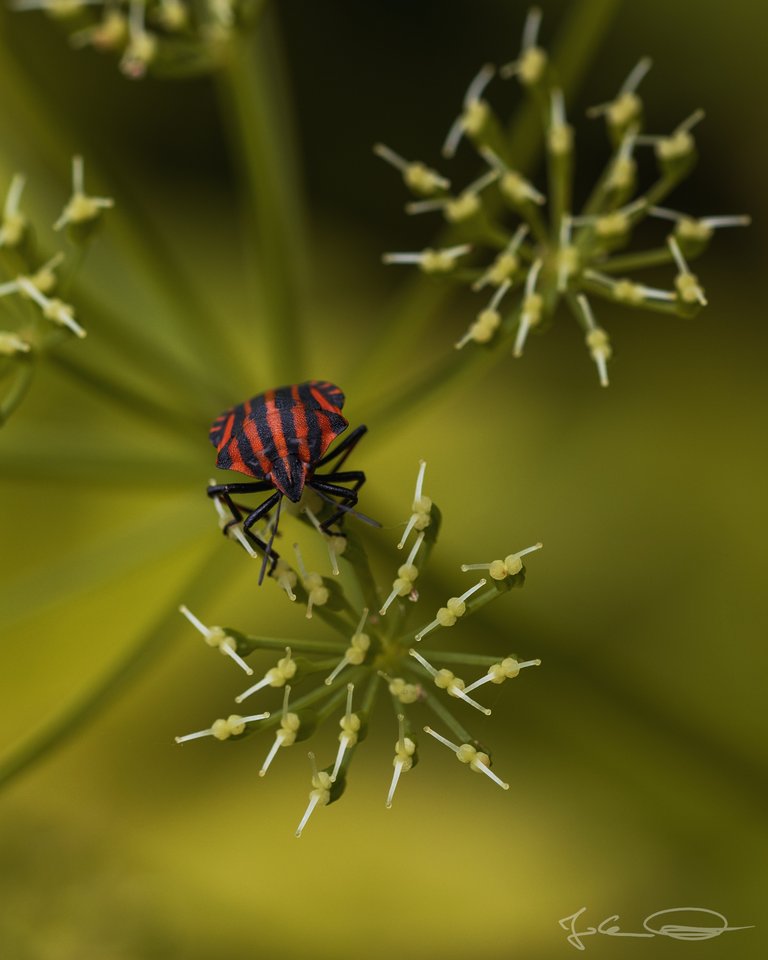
x=34 y=317
x=174 y=37
x=373 y=655
x=521 y=239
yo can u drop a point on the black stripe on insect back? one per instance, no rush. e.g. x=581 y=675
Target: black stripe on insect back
x=259 y=417
x=244 y=446
x=314 y=434
x=284 y=404
x=224 y=458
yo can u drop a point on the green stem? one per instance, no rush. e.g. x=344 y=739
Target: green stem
x=637 y=261
x=47 y=458
x=153 y=356
x=249 y=87
x=448 y=718
x=178 y=421
x=300 y=646
x=209 y=578
x=657 y=306
x=470 y=659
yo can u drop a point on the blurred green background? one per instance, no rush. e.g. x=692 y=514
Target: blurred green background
x=636 y=753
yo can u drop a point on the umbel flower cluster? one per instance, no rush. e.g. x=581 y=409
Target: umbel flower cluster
x=526 y=250
x=33 y=314
x=171 y=37
x=378 y=654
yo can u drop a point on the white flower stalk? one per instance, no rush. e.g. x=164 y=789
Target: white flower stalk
x=532 y=61
x=233 y=726
x=11 y=343
x=532 y=307
x=421 y=508
x=560 y=133
x=407 y=573
x=627 y=106
x=614 y=225
x=690 y=229
x=506 y=266
x=507 y=669
x=232 y=528
x=350 y=725
x=81 y=208
x=405 y=750
x=448 y=681
x=454 y=609
x=142 y=45
x=462 y=207
x=687 y=283
x=317 y=592
x=679 y=145
x=488 y=321
x=53 y=309
x=335 y=545
x=596 y=339
x=319 y=795
x=417 y=176
x=474 y=114
x=290 y=724
x=466 y=753
x=355 y=653
x=218 y=638
x=510 y=566
x=430 y=261
x=286 y=578
x=283 y=671
x=512 y=184
x=626 y=291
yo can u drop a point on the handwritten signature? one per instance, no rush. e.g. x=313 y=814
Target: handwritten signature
x=653 y=926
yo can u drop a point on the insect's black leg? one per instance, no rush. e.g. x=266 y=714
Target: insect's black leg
x=341 y=492
x=350 y=498
x=255 y=486
x=268 y=551
x=356 y=477
x=261 y=510
x=237 y=510
x=345 y=447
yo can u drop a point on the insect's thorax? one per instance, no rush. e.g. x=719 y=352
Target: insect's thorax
x=289 y=475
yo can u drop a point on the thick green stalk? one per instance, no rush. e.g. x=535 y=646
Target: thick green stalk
x=262 y=147
x=211 y=576
x=178 y=421
x=637 y=261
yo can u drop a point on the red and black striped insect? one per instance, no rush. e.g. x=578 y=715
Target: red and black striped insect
x=280 y=438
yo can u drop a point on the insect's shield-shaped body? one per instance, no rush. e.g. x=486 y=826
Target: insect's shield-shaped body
x=280 y=435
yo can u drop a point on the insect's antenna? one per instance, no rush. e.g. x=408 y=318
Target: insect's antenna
x=268 y=550
x=344 y=507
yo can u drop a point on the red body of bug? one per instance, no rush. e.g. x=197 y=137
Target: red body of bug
x=280 y=438
x=281 y=434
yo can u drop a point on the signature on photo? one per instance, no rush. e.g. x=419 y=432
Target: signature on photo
x=659 y=924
